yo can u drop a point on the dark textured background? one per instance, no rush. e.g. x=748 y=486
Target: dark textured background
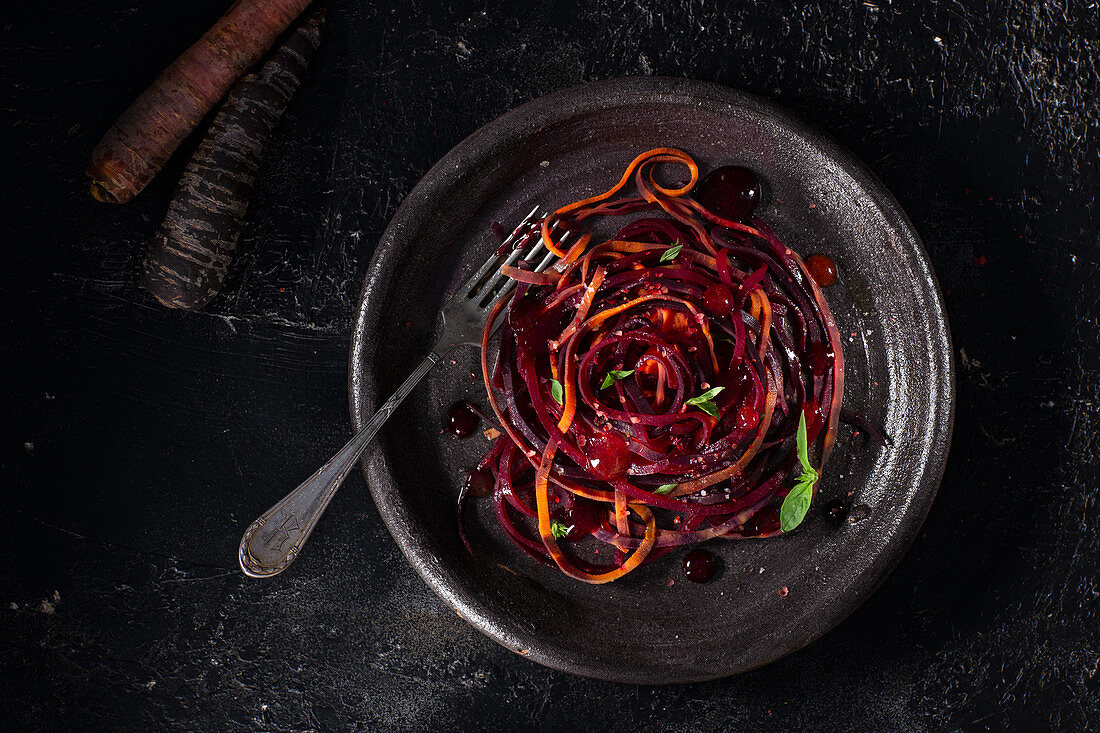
x=138 y=443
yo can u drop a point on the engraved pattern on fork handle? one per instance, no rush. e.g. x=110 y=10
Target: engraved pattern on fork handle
x=272 y=542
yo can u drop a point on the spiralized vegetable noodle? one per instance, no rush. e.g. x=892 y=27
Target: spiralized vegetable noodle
x=650 y=386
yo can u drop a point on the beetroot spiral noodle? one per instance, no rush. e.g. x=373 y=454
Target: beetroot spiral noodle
x=632 y=459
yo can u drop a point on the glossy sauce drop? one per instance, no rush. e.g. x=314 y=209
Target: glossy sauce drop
x=462 y=421
x=731 y=192
x=822 y=269
x=608 y=456
x=718 y=299
x=479 y=482
x=699 y=565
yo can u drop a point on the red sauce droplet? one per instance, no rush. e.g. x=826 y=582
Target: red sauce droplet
x=462 y=421
x=822 y=269
x=819 y=357
x=583 y=518
x=731 y=192
x=718 y=299
x=608 y=456
x=479 y=482
x=836 y=511
x=764 y=521
x=699 y=565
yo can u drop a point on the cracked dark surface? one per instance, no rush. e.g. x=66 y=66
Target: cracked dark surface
x=139 y=443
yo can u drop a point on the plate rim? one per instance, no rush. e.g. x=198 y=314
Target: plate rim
x=522 y=120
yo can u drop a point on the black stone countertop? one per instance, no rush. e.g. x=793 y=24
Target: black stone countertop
x=138 y=443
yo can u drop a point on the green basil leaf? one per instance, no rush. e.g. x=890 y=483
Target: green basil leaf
x=556 y=391
x=672 y=252
x=665 y=489
x=795 y=505
x=707 y=396
x=558 y=529
x=797 y=502
x=615 y=375
x=803 y=444
x=708 y=407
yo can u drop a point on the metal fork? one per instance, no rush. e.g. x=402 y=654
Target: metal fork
x=272 y=542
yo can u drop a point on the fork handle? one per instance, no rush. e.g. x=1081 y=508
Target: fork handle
x=272 y=542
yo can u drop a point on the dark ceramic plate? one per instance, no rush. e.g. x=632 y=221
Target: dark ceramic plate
x=646 y=628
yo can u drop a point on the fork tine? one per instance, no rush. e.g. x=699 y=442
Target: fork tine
x=496 y=277
x=470 y=286
x=502 y=281
x=538 y=247
x=535 y=252
x=497 y=295
x=494 y=292
x=521 y=253
x=550 y=257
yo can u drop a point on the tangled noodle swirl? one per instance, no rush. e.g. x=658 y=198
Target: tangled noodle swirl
x=628 y=333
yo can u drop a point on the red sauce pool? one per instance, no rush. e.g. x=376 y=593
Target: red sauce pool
x=462 y=421
x=836 y=511
x=731 y=192
x=822 y=269
x=699 y=565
